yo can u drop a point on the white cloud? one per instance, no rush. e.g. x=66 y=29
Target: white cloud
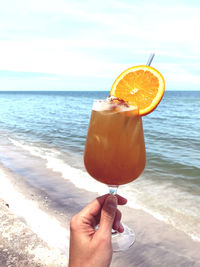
x=99 y=39
x=51 y=57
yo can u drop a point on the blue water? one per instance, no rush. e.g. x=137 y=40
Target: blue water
x=57 y=122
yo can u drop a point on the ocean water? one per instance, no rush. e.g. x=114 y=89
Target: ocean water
x=52 y=126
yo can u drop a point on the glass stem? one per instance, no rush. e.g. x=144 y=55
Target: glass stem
x=113 y=189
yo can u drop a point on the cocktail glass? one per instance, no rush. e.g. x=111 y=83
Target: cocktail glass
x=115 y=152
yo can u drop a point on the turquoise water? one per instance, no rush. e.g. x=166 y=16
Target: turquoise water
x=53 y=125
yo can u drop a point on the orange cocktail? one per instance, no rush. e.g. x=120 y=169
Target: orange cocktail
x=115 y=149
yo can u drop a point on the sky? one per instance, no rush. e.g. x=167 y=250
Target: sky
x=85 y=45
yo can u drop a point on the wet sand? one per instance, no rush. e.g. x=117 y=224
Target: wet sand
x=157 y=244
x=24 y=239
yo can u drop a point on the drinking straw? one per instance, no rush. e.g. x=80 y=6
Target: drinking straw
x=150 y=59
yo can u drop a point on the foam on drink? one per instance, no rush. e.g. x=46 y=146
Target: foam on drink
x=112 y=104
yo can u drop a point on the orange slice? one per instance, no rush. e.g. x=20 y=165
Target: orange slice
x=140 y=86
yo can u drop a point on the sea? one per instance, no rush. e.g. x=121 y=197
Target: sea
x=52 y=127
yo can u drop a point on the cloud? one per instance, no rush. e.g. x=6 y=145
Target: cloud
x=7 y=74
x=50 y=57
x=100 y=38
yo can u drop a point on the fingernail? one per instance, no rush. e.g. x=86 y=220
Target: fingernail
x=121 y=228
x=117 y=225
x=111 y=201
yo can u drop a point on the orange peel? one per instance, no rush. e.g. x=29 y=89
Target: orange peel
x=142 y=86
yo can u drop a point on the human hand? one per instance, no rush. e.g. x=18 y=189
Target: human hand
x=90 y=247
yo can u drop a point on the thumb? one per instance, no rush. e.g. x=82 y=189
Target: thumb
x=108 y=215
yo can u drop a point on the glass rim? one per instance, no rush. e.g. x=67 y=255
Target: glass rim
x=102 y=104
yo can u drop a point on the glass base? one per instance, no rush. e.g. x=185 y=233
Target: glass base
x=123 y=241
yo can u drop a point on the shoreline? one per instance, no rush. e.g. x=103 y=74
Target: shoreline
x=155 y=193
x=157 y=244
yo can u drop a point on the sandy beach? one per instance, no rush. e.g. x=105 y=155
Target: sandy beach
x=38 y=233
x=20 y=246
